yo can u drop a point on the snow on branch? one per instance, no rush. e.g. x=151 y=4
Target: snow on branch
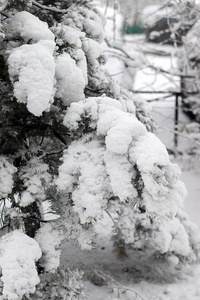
x=29 y=27
x=116 y=159
x=7 y=171
x=18 y=256
x=54 y=9
x=32 y=70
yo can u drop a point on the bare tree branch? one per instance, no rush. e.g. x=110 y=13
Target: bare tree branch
x=126 y=55
x=5 y=13
x=53 y=153
x=118 y=48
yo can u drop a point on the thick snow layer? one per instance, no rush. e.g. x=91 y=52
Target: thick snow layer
x=160 y=177
x=150 y=151
x=30 y=27
x=35 y=176
x=124 y=129
x=94 y=55
x=120 y=172
x=92 y=49
x=127 y=151
x=18 y=254
x=49 y=239
x=26 y=199
x=85 y=20
x=85 y=160
x=6 y=177
x=81 y=62
x=90 y=24
x=32 y=70
x=67 y=34
x=70 y=80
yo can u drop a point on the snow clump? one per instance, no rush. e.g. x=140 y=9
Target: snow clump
x=32 y=66
x=18 y=254
x=49 y=239
x=6 y=177
x=29 y=27
x=70 y=80
x=86 y=20
x=35 y=176
x=32 y=71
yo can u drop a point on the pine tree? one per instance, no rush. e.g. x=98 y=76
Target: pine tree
x=74 y=141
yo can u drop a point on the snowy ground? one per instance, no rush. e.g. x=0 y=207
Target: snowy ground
x=137 y=277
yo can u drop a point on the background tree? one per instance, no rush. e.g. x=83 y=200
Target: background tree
x=75 y=142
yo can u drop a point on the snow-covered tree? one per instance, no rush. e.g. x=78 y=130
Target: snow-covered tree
x=76 y=144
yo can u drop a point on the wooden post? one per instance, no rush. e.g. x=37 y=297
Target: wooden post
x=176 y=121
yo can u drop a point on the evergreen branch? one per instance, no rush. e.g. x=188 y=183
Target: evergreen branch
x=2 y=212
x=53 y=153
x=53 y=9
x=6 y=225
x=91 y=92
x=5 y=14
x=38 y=219
x=60 y=137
